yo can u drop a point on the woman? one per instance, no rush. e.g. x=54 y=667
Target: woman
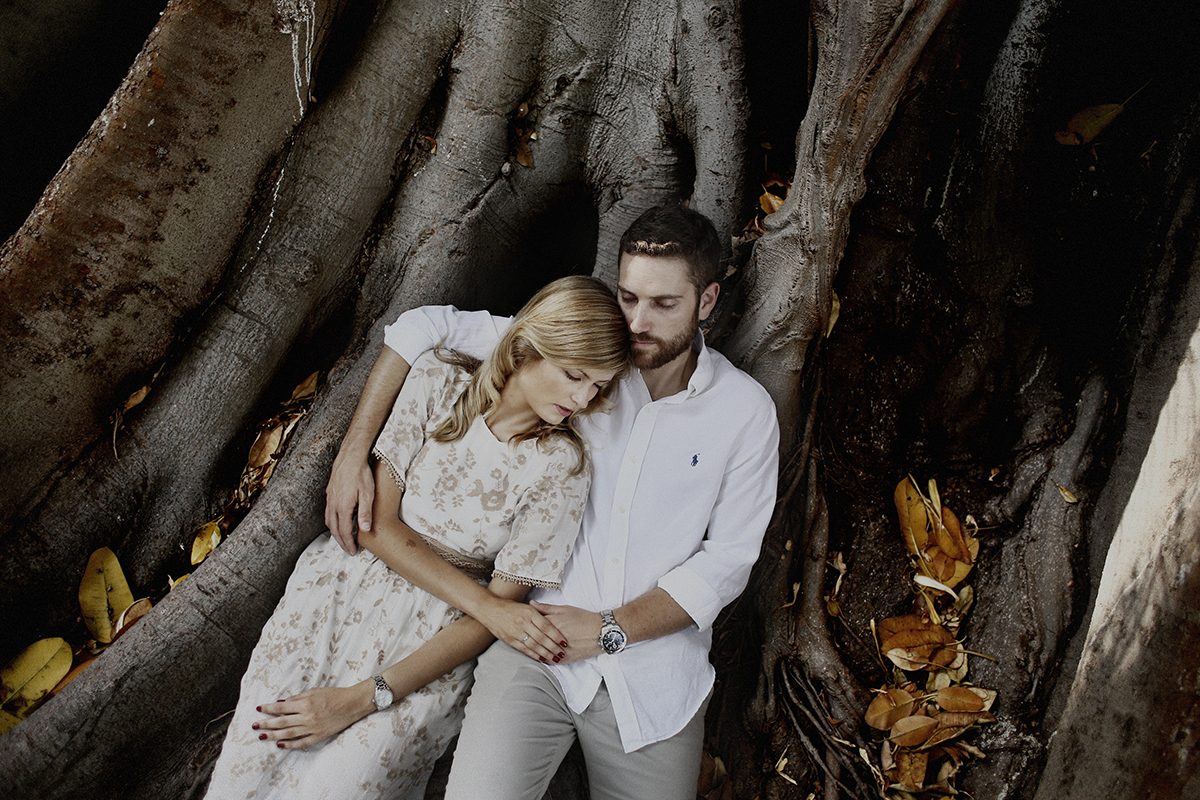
x=486 y=471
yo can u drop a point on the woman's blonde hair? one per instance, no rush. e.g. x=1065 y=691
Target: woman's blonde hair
x=574 y=322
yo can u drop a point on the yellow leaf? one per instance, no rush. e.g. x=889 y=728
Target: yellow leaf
x=265 y=445
x=769 y=202
x=1067 y=494
x=173 y=582
x=1087 y=124
x=205 y=541
x=306 y=389
x=136 y=610
x=136 y=398
x=103 y=593
x=914 y=517
x=835 y=309
x=7 y=721
x=33 y=673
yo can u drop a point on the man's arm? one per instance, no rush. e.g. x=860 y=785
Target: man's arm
x=351 y=484
x=694 y=592
x=415 y=331
x=406 y=553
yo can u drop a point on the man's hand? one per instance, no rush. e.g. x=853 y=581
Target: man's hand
x=581 y=630
x=313 y=716
x=351 y=488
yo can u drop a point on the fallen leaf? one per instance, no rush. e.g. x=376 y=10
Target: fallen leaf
x=887 y=707
x=964 y=698
x=8 y=721
x=29 y=677
x=769 y=202
x=205 y=541
x=137 y=609
x=1087 y=124
x=914 y=643
x=173 y=582
x=103 y=593
x=912 y=766
x=835 y=309
x=265 y=445
x=308 y=387
x=136 y=398
x=1067 y=494
x=912 y=731
x=75 y=672
x=926 y=581
x=952 y=724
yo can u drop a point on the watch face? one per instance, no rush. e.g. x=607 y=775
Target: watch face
x=383 y=698
x=612 y=640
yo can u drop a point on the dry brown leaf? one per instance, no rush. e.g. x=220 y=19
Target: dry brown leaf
x=265 y=445
x=912 y=731
x=769 y=202
x=1087 y=124
x=173 y=582
x=887 y=707
x=103 y=593
x=136 y=398
x=911 y=768
x=912 y=643
x=964 y=698
x=308 y=387
x=952 y=724
x=75 y=672
x=137 y=609
x=205 y=541
x=27 y=679
x=914 y=517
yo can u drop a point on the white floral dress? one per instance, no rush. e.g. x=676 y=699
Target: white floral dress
x=344 y=618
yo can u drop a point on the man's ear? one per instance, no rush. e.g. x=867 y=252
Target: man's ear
x=708 y=299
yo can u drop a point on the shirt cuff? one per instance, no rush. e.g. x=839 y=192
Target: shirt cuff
x=693 y=594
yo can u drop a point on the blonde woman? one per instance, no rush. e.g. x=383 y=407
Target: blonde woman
x=481 y=481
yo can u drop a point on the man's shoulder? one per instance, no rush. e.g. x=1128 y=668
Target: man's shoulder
x=738 y=384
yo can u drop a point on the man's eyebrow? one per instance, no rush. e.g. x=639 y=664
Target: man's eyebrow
x=654 y=297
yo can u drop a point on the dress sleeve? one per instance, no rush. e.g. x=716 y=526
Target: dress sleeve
x=427 y=394
x=545 y=524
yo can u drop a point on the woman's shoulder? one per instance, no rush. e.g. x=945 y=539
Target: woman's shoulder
x=555 y=453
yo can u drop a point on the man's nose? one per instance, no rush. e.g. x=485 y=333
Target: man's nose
x=637 y=320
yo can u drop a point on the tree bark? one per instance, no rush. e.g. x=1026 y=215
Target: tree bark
x=1001 y=298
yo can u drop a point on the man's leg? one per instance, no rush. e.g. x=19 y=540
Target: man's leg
x=517 y=730
x=666 y=770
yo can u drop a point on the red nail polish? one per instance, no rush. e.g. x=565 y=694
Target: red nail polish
x=560 y=655
x=279 y=745
x=254 y=726
x=262 y=736
x=258 y=708
x=556 y=659
x=562 y=644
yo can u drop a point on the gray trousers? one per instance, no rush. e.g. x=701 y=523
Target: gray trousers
x=518 y=729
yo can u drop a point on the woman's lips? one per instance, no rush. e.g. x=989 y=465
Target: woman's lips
x=566 y=412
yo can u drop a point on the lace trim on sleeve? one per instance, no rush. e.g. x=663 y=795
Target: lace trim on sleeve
x=391 y=467
x=477 y=568
x=508 y=576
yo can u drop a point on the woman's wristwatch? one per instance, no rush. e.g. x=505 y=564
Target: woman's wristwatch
x=383 y=693
x=612 y=635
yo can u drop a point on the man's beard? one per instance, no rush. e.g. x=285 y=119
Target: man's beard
x=664 y=350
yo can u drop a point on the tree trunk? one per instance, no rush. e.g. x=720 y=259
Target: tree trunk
x=270 y=185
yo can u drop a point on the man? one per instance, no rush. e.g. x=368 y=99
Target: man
x=684 y=478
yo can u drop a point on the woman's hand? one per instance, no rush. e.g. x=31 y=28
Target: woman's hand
x=524 y=629
x=313 y=716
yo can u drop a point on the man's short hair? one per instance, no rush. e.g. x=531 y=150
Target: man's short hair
x=673 y=230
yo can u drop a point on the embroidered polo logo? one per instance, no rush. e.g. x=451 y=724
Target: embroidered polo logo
x=695 y=459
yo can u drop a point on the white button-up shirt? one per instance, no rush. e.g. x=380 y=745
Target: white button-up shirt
x=682 y=490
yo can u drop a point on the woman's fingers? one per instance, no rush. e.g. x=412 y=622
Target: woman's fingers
x=551 y=635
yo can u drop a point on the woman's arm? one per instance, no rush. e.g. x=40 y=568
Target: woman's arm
x=406 y=553
x=313 y=716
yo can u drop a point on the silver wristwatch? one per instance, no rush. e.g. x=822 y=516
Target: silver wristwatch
x=612 y=635
x=383 y=693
